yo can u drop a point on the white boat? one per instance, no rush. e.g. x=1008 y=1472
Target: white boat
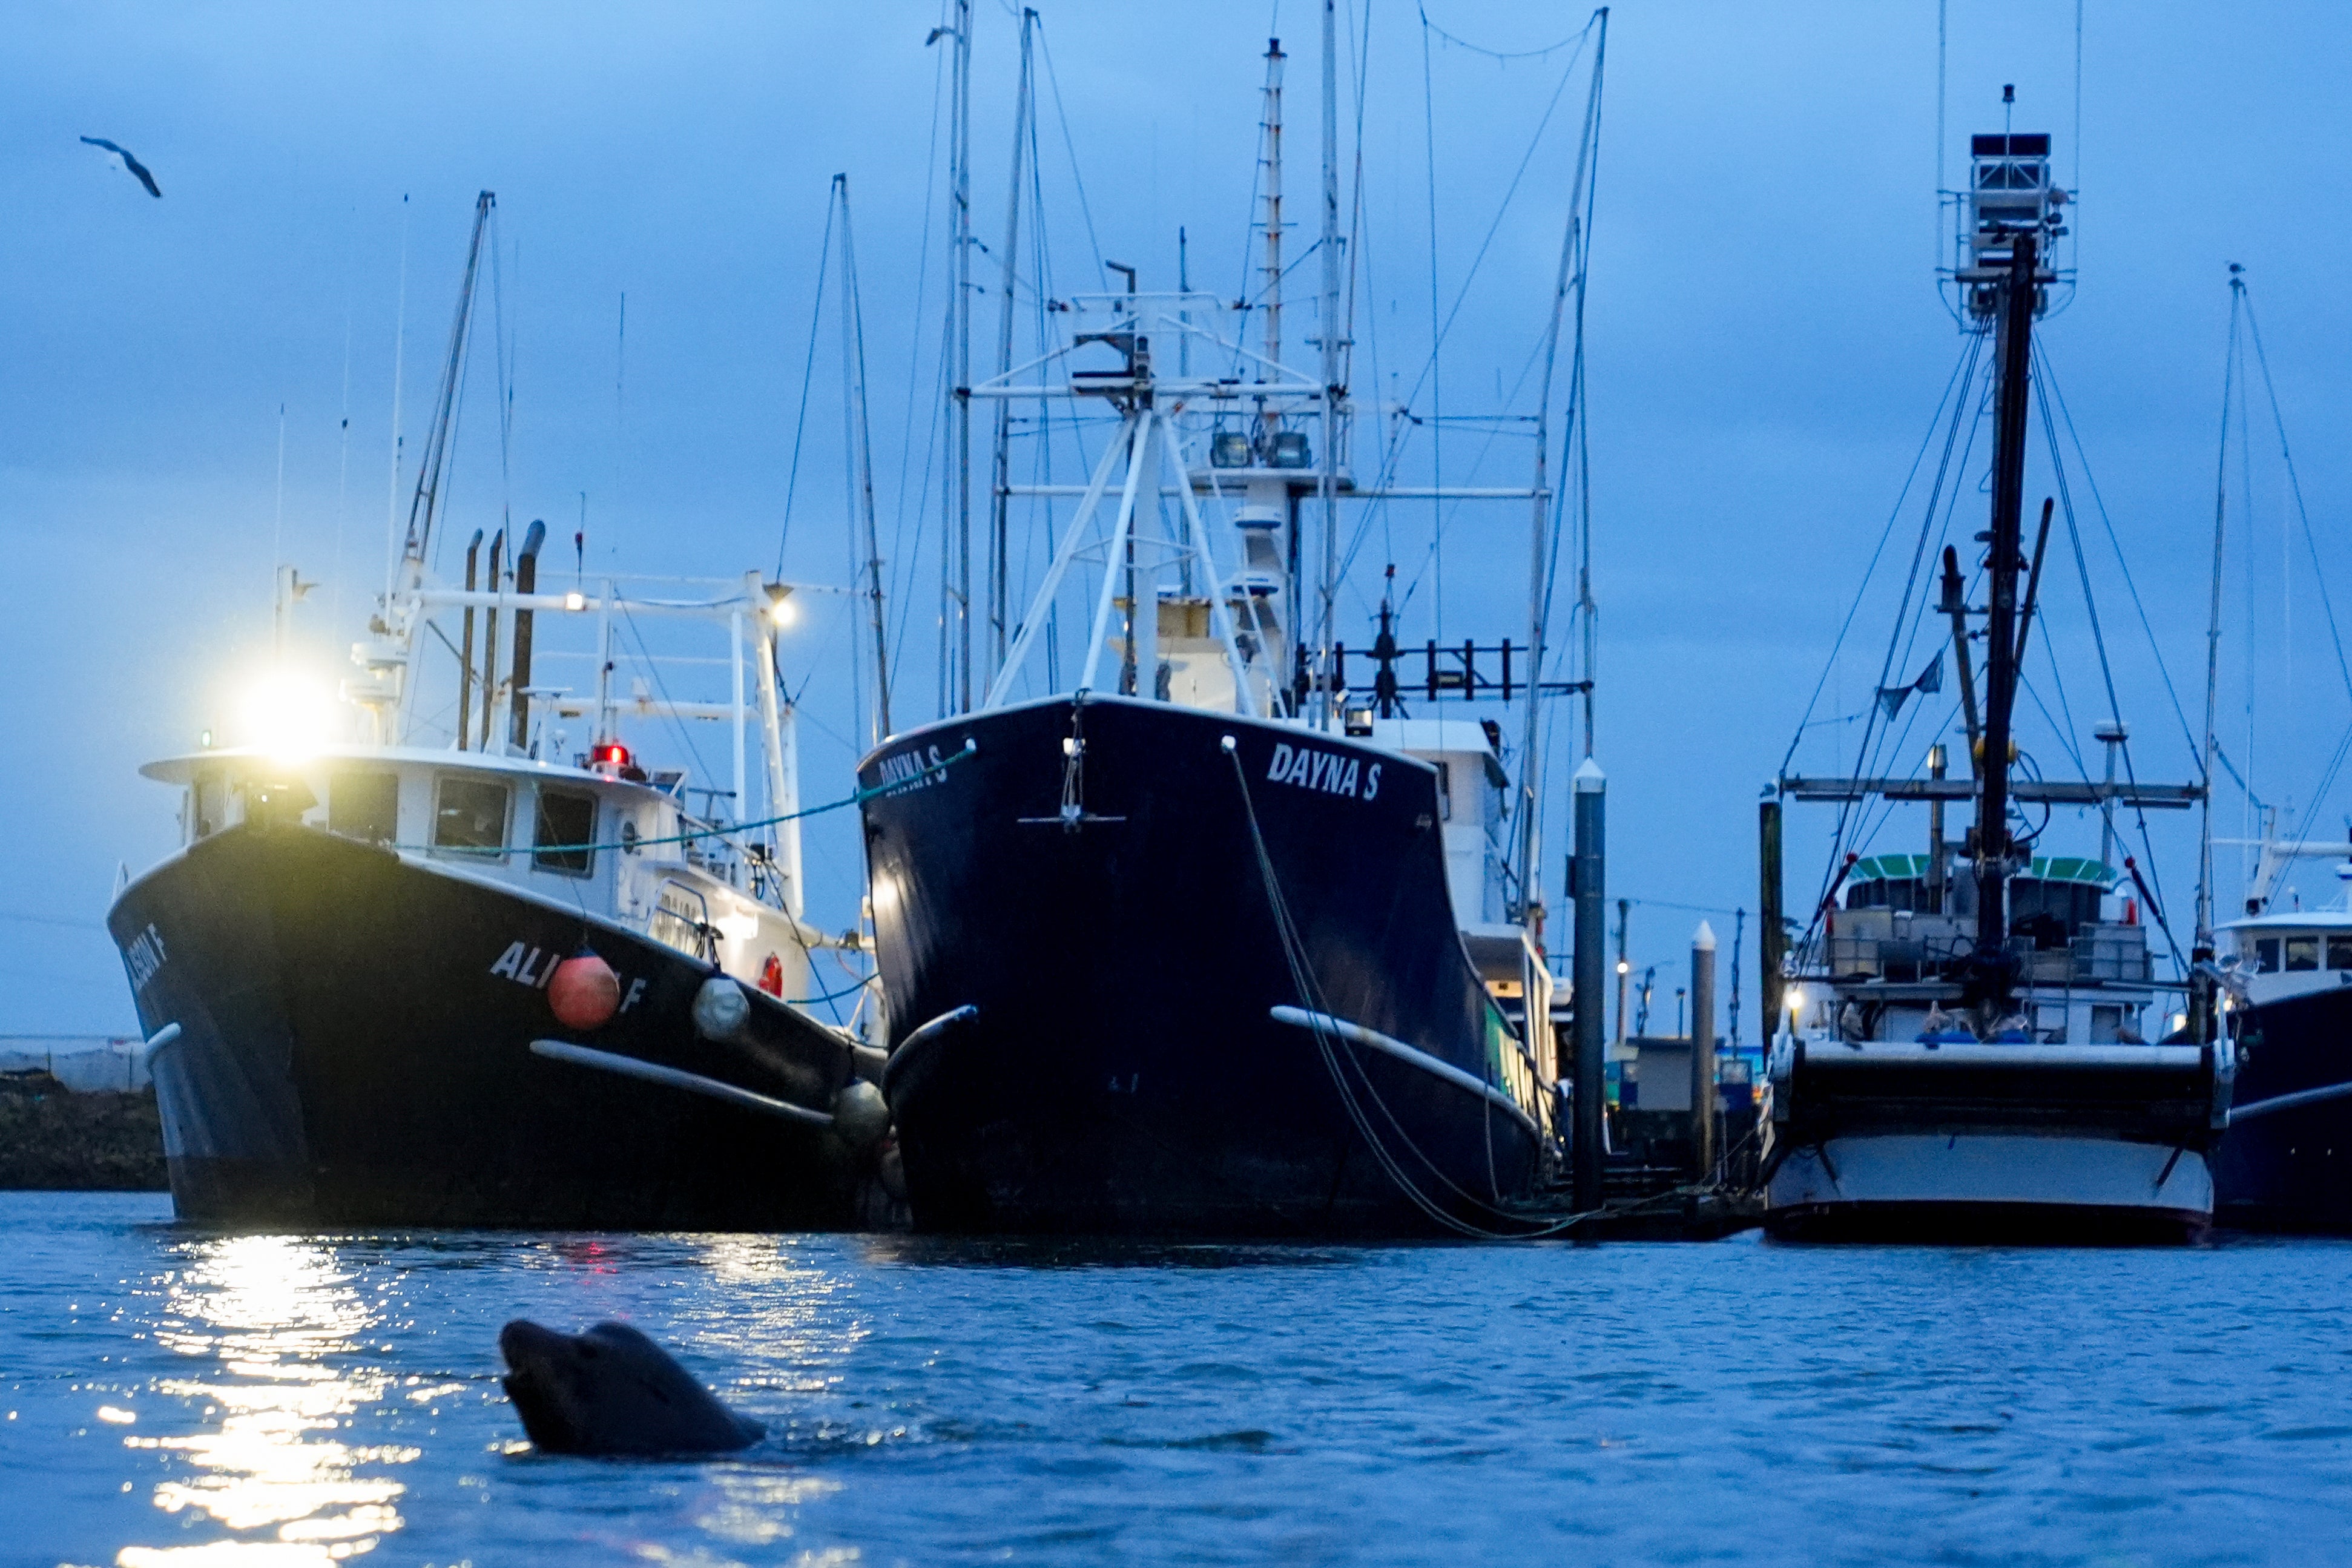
x=482 y=964
x=1964 y=1048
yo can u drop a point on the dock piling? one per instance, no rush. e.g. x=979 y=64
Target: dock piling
x=1702 y=1038
x=1588 y=878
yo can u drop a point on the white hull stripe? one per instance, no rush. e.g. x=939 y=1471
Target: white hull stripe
x=1300 y=1018
x=692 y=1083
x=2288 y=1101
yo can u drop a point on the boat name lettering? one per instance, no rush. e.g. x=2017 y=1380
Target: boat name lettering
x=144 y=956
x=637 y=989
x=1328 y=771
x=911 y=770
x=524 y=967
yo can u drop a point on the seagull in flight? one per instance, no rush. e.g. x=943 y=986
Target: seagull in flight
x=128 y=161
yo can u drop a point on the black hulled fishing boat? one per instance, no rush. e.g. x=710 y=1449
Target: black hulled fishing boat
x=1189 y=938
x=455 y=972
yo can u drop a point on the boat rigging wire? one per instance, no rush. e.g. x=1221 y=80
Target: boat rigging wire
x=1963 y=371
x=1963 y=407
x=1504 y=56
x=728 y=832
x=808 y=374
x=2047 y=378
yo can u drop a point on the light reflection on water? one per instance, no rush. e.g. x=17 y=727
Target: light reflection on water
x=222 y=1403
x=272 y=1328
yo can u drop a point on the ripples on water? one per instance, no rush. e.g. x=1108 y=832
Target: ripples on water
x=185 y=1401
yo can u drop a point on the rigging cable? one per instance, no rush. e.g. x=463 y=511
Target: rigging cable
x=808 y=372
x=2099 y=640
x=2311 y=545
x=1963 y=377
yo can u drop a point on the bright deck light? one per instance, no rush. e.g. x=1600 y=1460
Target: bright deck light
x=287 y=715
x=575 y=601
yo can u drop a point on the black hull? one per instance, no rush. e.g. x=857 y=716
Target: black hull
x=1979 y=1224
x=1122 y=1071
x=350 y=1055
x=2290 y=1170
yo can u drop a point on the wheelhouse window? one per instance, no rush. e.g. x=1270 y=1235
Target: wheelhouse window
x=364 y=803
x=470 y=814
x=209 y=804
x=565 y=830
x=2339 y=953
x=2266 y=955
x=2302 y=952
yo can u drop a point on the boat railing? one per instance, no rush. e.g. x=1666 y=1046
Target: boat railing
x=2113 y=953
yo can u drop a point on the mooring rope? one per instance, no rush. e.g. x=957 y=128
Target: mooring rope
x=1302 y=976
x=970 y=746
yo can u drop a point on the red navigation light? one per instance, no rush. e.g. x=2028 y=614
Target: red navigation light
x=613 y=752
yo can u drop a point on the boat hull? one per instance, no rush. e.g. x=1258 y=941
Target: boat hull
x=2290 y=1169
x=1122 y=1068
x=1983 y=1185
x=353 y=1049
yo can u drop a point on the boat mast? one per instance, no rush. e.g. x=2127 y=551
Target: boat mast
x=1270 y=290
x=1543 y=529
x=425 y=502
x=999 y=548
x=408 y=575
x=861 y=457
x=2003 y=560
x=1331 y=334
x=957 y=632
x=2200 y=993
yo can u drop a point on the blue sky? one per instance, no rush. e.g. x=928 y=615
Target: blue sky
x=1766 y=348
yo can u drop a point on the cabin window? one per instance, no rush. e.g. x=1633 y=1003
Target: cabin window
x=2339 y=953
x=470 y=814
x=2302 y=952
x=364 y=803
x=211 y=802
x=565 y=830
x=2266 y=955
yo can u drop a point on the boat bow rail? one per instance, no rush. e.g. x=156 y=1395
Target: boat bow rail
x=2176 y=1094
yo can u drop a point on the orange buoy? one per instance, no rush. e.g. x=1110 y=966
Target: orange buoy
x=585 y=992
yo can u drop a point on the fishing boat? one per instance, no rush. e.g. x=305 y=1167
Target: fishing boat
x=2280 y=973
x=455 y=967
x=2286 y=1163
x=1193 y=936
x=1964 y=1047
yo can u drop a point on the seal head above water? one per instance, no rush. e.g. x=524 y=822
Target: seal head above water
x=611 y=1390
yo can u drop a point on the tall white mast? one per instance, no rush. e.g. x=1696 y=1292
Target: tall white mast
x=959 y=556
x=1270 y=293
x=999 y=544
x=1331 y=332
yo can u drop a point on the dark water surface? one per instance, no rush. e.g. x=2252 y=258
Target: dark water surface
x=173 y=1397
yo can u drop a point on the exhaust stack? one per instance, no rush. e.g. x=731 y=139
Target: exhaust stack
x=526 y=584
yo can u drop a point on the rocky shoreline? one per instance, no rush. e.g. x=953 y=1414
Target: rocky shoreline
x=54 y=1140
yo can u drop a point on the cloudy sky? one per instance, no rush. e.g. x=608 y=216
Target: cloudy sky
x=1767 y=351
